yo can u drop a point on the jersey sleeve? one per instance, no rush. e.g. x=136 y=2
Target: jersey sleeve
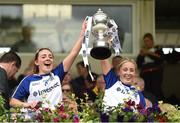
x=110 y=78
x=142 y=100
x=22 y=91
x=59 y=71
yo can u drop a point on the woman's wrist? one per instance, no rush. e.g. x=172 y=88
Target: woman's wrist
x=24 y=104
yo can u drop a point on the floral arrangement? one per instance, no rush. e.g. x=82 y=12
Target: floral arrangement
x=44 y=114
x=130 y=112
x=92 y=112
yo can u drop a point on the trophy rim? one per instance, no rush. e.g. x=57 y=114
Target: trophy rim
x=100 y=52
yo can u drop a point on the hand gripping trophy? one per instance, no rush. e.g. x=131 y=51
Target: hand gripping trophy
x=104 y=36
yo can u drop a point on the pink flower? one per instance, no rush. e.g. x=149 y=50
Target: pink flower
x=38 y=105
x=60 y=108
x=48 y=110
x=56 y=119
x=130 y=103
x=64 y=115
x=75 y=119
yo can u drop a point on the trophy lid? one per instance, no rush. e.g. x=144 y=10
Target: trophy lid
x=100 y=17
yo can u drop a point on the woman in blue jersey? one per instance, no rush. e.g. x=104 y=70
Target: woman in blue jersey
x=45 y=84
x=118 y=85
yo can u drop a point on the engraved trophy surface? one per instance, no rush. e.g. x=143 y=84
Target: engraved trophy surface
x=101 y=48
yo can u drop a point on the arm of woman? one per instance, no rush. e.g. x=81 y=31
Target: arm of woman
x=106 y=66
x=17 y=103
x=145 y=52
x=154 y=54
x=68 y=61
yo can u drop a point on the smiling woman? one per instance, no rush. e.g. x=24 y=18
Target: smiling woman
x=119 y=85
x=45 y=84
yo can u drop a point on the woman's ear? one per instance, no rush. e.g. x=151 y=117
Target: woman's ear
x=36 y=62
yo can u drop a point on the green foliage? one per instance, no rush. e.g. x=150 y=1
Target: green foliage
x=172 y=112
x=91 y=111
x=4 y=114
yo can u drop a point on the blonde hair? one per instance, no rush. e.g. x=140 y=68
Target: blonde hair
x=125 y=60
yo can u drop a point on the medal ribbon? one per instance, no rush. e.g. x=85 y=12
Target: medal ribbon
x=113 y=32
x=85 y=45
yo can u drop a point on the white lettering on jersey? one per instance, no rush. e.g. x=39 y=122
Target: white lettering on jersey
x=47 y=90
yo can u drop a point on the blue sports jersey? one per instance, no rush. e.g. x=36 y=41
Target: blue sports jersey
x=43 y=88
x=116 y=92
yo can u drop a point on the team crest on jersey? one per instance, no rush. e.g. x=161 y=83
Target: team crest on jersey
x=46 y=81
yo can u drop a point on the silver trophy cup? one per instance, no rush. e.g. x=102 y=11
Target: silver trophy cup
x=101 y=48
